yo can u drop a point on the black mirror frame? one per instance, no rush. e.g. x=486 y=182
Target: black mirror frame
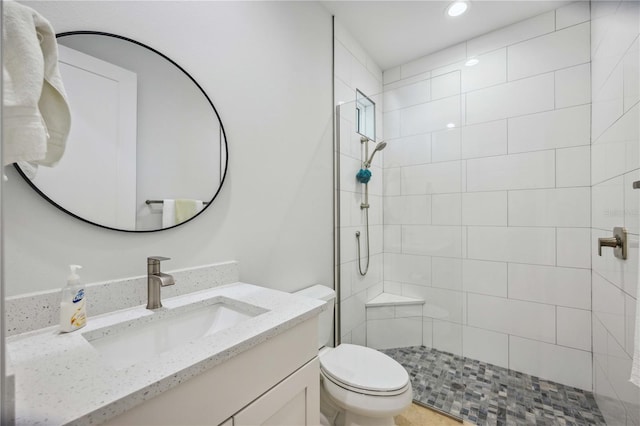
x=226 y=157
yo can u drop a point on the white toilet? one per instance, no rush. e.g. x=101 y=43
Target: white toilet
x=359 y=386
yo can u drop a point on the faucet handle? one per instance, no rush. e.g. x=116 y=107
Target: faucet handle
x=156 y=259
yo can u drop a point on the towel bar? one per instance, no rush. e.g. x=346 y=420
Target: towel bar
x=162 y=202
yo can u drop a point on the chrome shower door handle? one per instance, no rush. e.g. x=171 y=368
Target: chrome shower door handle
x=618 y=242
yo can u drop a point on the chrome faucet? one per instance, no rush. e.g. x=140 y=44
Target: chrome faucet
x=155 y=280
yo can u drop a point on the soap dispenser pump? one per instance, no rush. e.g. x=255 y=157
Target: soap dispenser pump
x=73 y=313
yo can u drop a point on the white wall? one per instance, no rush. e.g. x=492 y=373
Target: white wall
x=266 y=67
x=354 y=69
x=489 y=222
x=615 y=154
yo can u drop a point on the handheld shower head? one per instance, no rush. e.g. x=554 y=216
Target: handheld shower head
x=379 y=147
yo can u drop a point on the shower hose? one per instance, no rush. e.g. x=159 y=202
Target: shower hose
x=366 y=268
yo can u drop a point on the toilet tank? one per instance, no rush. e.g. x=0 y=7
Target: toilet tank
x=325 y=319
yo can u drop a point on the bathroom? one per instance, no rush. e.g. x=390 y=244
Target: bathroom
x=491 y=225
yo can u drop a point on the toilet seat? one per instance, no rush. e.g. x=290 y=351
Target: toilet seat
x=364 y=370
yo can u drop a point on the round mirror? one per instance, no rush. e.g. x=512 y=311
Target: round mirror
x=147 y=150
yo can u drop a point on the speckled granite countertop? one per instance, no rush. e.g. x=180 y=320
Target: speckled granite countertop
x=62 y=379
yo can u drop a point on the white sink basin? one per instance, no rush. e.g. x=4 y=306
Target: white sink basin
x=130 y=343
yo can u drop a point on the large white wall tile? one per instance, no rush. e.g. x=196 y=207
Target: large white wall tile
x=630 y=323
x=431 y=116
x=365 y=81
x=447 y=336
x=574 y=247
x=549 y=284
x=391 y=182
x=408 y=151
x=440 y=304
x=608 y=402
x=616 y=151
x=560 y=49
x=491 y=70
x=608 y=204
x=445 y=85
x=485 y=139
x=564 y=365
x=522 y=245
x=392 y=238
x=434 y=178
x=516 y=171
x=631 y=203
x=533 y=27
x=526 y=96
x=435 y=60
x=569 y=207
x=631 y=71
x=343 y=58
x=630 y=266
x=391 y=75
x=487 y=346
x=484 y=208
x=573 y=166
x=446 y=273
x=445 y=145
x=409 y=95
x=573 y=86
x=560 y=128
x=432 y=240
x=607 y=102
x=391 y=124
x=406 y=268
x=427 y=332
x=353 y=311
x=572 y=14
x=526 y=319
x=489 y=278
x=617 y=33
x=394 y=333
x=343 y=35
x=407 y=210
x=608 y=306
x=574 y=328
x=446 y=209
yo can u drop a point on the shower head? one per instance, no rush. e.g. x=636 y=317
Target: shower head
x=379 y=147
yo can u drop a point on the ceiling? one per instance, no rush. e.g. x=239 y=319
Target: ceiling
x=396 y=32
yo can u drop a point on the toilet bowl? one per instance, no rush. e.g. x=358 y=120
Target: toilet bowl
x=360 y=386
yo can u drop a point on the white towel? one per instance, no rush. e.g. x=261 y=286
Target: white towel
x=36 y=114
x=168 y=213
x=186 y=209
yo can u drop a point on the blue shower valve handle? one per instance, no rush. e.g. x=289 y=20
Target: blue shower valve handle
x=363 y=176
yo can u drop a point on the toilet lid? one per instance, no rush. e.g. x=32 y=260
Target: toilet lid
x=364 y=368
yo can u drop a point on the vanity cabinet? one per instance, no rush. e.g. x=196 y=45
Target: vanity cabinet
x=276 y=382
x=294 y=401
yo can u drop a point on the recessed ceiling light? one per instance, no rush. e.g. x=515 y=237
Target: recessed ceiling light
x=450 y=126
x=471 y=62
x=457 y=8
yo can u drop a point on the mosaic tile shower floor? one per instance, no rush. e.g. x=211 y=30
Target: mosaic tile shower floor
x=486 y=394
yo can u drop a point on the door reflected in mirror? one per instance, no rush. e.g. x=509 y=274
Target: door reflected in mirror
x=365 y=115
x=142 y=129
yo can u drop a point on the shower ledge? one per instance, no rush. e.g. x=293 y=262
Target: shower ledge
x=390 y=299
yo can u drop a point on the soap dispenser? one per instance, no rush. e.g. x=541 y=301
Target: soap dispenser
x=73 y=313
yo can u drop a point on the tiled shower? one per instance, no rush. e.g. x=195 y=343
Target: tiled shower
x=496 y=182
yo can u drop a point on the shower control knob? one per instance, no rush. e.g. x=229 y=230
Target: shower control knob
x=618 y=242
